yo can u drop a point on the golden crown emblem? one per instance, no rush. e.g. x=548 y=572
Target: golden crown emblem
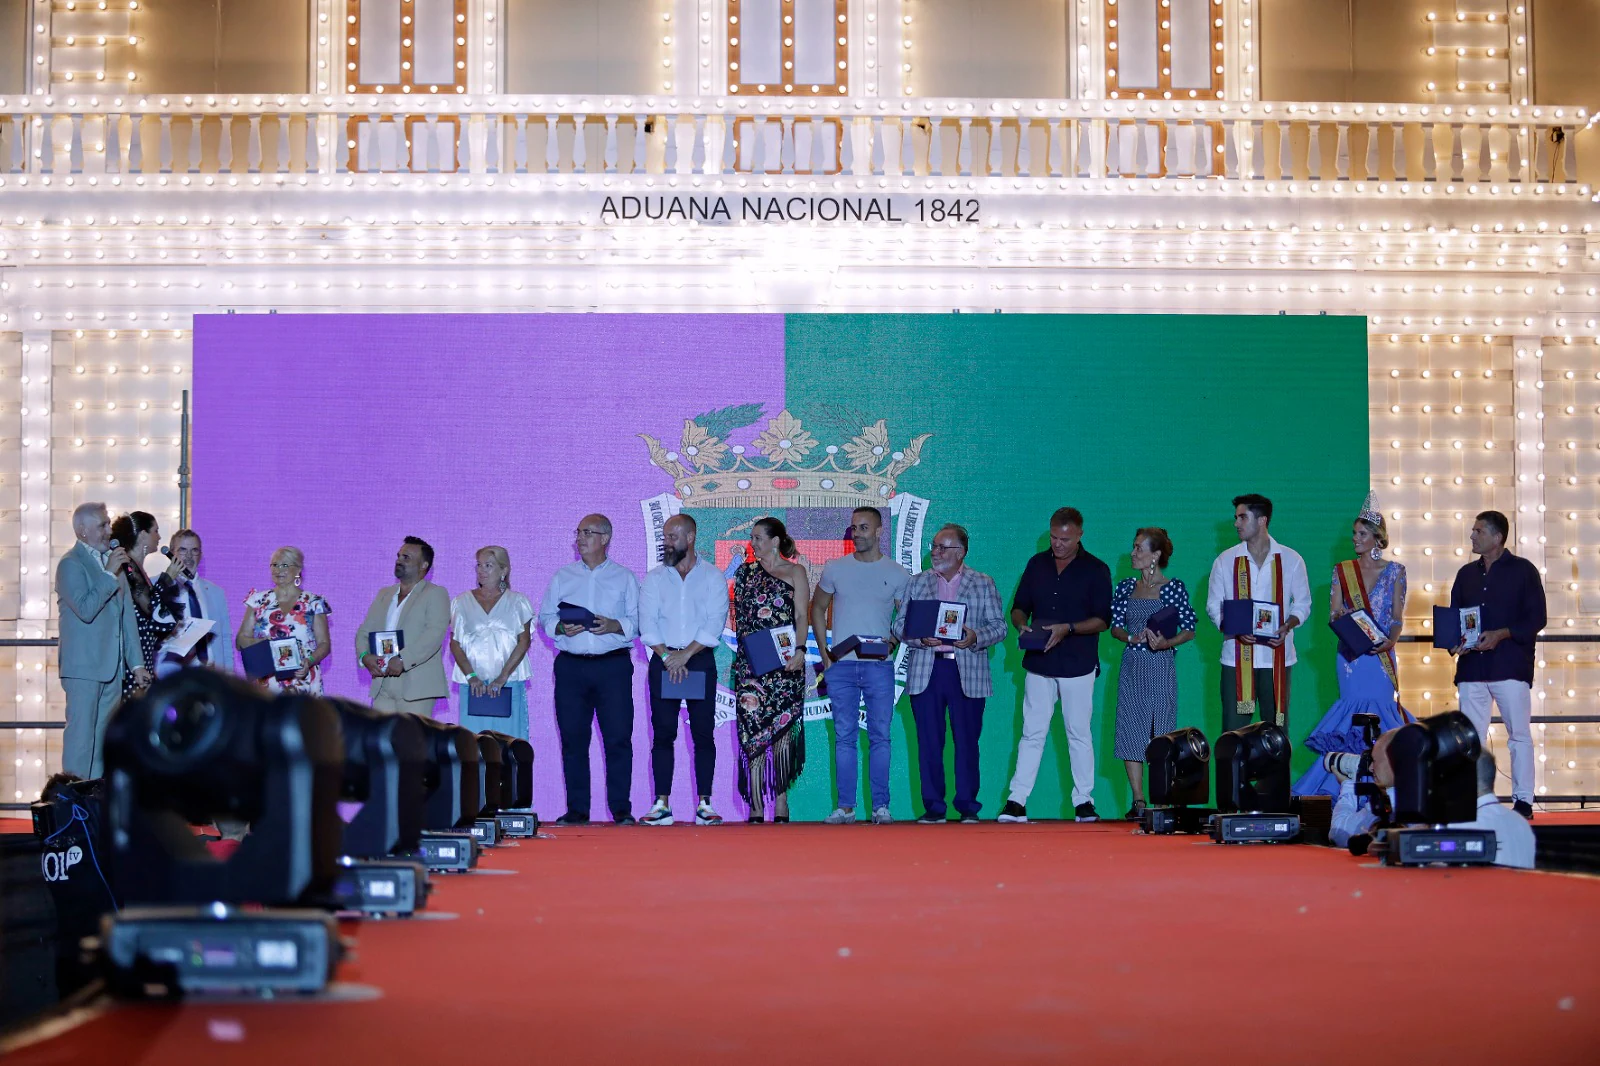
x=781 y=467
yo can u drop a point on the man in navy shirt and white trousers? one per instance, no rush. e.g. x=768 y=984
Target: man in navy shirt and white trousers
x=1499 y=669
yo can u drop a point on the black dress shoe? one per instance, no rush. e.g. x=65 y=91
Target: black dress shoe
x=625 y=819
x=1524 y=808
x=573 y=819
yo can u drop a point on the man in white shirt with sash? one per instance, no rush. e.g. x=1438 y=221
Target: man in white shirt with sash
x=1258 y=568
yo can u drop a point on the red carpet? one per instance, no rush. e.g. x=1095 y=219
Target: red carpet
x=958 y=944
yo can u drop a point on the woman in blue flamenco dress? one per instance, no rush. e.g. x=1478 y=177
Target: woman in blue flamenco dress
x=1368 y=684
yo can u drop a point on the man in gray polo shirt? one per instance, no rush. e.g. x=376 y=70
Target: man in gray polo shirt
x=864 y=589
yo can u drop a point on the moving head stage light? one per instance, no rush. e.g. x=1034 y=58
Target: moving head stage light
x=384 y=757
x=491 y=775
x=1436 y=782
x=1179 y=775
x=1253 y=780
x=198 y=746
x=201 y=745
x=453 y=791
x=516 y=816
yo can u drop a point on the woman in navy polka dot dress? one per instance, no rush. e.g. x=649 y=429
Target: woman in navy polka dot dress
x=1147 y=689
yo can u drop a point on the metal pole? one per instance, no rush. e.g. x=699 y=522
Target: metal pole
x=183 y=465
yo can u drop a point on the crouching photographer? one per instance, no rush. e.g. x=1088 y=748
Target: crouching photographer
x=1366 y=791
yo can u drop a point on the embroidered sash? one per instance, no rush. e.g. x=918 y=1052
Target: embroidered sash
x=1244 y=654
x=1356 y=598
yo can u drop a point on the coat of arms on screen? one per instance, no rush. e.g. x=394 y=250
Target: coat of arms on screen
x=793 y=471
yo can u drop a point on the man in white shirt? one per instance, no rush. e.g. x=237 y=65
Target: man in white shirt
x=1258 y=568
x=683 y=608
x=594 y=669
x=1513 y=836
x=201 y=599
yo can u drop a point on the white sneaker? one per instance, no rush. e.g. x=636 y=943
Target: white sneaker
x=881 y=816
x=660 y=814
x=705 y=815
x=840 y=816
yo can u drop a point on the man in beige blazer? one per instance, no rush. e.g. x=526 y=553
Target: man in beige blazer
x=420 y=610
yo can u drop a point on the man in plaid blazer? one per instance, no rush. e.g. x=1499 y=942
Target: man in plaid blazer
x=942 y=677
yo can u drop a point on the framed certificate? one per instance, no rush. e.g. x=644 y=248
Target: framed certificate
x=952 y=624
x=938 y=619
x=281 y=658
x=1267 y=618
x=770 y=650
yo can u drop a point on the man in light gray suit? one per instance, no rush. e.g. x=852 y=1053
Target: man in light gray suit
x=200 y=599
x=99 y=637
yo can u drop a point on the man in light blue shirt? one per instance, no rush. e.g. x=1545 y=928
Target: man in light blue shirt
x=594 y=669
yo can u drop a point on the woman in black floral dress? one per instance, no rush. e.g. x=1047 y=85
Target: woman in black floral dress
x=155 y=611
x=769 y=592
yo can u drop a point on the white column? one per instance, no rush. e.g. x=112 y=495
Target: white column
x=1241 y=78
x=1527 y=525
x=485 y=46
x=325 y=72
x=1086 y=49
x=39 y=48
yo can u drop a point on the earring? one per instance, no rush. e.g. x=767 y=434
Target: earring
x=505 y=583
x=297 y=582
x=1377 y=553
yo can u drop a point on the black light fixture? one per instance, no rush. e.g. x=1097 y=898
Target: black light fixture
x=1179 y=782
x=491 y=777
x=384 y=760
x=516 y=815
x=198 y=746
x=1436 y=782
x=201 y=745
x=453 y=795
x=1253 y=786
x=384 y=763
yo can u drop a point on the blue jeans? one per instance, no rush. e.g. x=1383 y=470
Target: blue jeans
x=849 y=683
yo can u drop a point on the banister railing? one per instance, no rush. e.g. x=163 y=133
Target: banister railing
x=939 y=138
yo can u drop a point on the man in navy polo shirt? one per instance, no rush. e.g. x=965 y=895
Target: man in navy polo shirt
x=1067 y=591
x=1499 y=669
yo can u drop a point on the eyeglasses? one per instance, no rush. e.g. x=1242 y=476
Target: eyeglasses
x=589 y=533
x=946 y=548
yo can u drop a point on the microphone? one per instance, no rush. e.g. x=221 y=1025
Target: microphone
x=184 y=570
x=114 y=545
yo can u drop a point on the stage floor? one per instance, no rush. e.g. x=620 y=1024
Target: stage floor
x=929 y=944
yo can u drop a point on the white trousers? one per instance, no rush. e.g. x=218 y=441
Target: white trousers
x=1039 y=696
x=1515 y=700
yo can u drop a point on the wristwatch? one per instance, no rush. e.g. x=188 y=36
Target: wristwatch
x=1072 y=629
